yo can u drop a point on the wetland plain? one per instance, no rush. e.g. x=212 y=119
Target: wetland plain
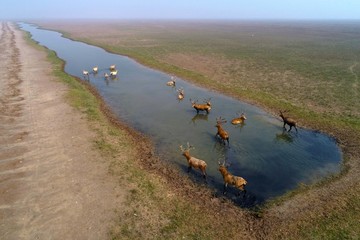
x=310 y=68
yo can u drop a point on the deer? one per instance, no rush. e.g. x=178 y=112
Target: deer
x=181 y=94
x=202 y=107
x=235 y=181
x=289 y=121
x=221 y=132
x=239 y=120
x=192 y=161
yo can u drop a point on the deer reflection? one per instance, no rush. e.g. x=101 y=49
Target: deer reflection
x=284 y=136
x=199 y=116
x=240 y=125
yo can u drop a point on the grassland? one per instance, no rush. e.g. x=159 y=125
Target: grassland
x=311 y=69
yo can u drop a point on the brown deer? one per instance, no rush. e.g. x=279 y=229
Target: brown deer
x=289 y=121
x=202 y=107
x=221 y=132
x=239 y=120
x=192 y=161
x=236 y=181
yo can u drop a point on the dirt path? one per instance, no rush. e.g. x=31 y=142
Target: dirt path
x=53 y=185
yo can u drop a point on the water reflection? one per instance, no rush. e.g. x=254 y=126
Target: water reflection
x=284 y=136
x=199 y=116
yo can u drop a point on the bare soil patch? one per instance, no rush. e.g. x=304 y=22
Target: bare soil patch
x=53 y=183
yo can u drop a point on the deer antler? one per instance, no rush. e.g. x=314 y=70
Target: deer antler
x=189 y=146
x=222 y=164
x=193 y=102
x=220 y=120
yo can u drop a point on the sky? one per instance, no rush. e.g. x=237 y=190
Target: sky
x=180 y=9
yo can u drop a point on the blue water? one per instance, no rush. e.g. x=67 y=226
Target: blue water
x=271 y=160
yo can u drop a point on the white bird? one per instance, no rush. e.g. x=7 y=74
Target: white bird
x=85 y=72
x=113 y=73
x=95 y=69
x=172 y=82
x=112 y=67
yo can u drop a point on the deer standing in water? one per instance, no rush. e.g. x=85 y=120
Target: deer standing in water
x=289 y=121
x=239 y=120
x=236 y=181
x=202 y=107
x=192 y=161
x=221 y=131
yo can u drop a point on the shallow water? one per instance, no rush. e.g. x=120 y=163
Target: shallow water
x=271 y=160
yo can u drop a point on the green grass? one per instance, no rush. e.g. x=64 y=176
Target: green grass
x=341 y=224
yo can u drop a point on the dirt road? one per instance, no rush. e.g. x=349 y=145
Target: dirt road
x=53 y=185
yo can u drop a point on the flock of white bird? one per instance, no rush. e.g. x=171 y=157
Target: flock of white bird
x=112 y=68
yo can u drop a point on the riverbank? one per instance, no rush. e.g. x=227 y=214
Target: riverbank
x=53 y=183
x=312 y=211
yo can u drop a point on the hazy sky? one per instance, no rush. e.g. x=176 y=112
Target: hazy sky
x=181 y=9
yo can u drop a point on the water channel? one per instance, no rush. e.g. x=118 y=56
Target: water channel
x=271 y=160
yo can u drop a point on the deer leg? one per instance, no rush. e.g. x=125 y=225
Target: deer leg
x=244 y=193
x=189 y=168
x=228 y=141
x=225 y=187
x=204 y=174
x=295 y=128
x=290 y=128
